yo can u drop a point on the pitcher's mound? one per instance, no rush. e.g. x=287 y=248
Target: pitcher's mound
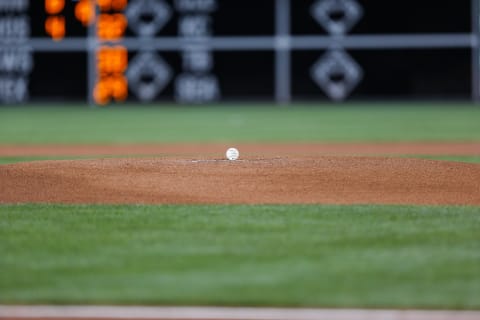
x=329 y=180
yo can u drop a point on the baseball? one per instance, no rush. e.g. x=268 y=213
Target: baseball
x=232 y=154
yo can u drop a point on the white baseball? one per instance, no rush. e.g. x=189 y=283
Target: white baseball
x=232 y=154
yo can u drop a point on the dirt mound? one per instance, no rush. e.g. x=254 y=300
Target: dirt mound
x=333 y=180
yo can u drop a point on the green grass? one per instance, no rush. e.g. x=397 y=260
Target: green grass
x=355 y=256
x=8 y=160
x=339 y=256
x=351 y=122
x=469 y=159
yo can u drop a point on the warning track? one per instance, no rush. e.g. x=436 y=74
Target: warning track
x=224 y=313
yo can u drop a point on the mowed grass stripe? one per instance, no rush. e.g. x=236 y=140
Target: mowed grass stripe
x=337 y=256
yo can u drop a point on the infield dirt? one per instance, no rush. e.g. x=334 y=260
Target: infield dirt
x=253 y=180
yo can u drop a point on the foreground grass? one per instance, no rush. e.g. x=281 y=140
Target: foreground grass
x=135 y=124
x=355 y=256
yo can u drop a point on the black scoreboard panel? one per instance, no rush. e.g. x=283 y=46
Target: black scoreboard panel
x=239 y=18
x=394 y=17
x=237 y=82
x=59 y=76
x=231 y=18
x=203 y=51
x=396 y=74
x=236 y=79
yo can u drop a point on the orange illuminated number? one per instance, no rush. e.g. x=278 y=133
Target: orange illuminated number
x=112 y=59
x=55 y=27
x=119 y=4
x=112 y=84
x=109 y=87
x=54 y=6
x=119 y=85
x=85 y=12
x=106 y=5
x=101 y=94
x=111 y=26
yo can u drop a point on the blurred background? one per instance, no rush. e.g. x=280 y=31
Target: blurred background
x=208 y=51
x=363 y=77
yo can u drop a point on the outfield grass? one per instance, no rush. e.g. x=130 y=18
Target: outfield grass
x=352 y=122
x=355 y=256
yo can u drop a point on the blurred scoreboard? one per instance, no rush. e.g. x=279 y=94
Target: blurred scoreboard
x=205 y=51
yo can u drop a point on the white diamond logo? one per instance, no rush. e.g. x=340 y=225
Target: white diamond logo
x=337 y=74
x=147 y=17
x=337 y=16
x=148 y=75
